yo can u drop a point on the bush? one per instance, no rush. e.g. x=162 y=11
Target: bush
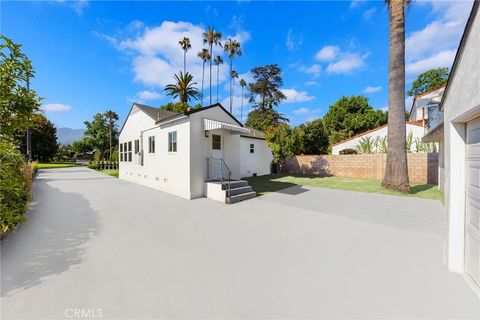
x=93 y=165
x=34 y=167
x=15 y=186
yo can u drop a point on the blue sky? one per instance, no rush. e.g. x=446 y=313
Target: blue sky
x=91 y=56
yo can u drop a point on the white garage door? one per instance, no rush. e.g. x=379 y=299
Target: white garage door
x=472 y=217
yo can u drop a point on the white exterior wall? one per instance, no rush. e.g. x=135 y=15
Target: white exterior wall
x=258 y=162
x=168 y=172
x=417 y=131
x=461 y=104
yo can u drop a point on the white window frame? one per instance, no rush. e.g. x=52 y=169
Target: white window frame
x=151 y=143
x=172 y=142
x=252 y=148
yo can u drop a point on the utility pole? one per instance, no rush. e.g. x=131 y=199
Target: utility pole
x=29 y=130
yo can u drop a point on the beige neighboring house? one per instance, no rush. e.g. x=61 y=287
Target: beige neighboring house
x=460 y=105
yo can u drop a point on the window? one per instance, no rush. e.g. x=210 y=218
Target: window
x=129 y=151
x=216 y=142
x=137 y=146
x=172 y=141
x=151 y=144
x=252 y=148
x=125 y=151
x=121 y=151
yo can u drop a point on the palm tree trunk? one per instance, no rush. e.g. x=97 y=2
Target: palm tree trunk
x=184 y=61
x=218 y=70
x=241 y=109
x=203 y=77
x=211 y=49
x=231 y=67
x=110 y=132
x=396 y=170
x=29 y=130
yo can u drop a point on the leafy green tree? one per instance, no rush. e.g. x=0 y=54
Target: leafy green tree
x=263 y=119
x=112 y=119
x=233 y=49
x=211 y=37
x=349 y=116
x=179 y=106
x=98 y=131
x=284 y=141
x=82 y=148
x=183 y=88
x=315 y=139
x=429 y=80
x=265 y=92
x=17 y=102
x=44 y=139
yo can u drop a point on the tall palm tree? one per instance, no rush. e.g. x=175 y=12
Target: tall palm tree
x=210 y=38
x=184 y=88
x=396 y=170
x=205 y=56
x=185 y=44
x=111 y=117
x=218 y=61
x=232 y=48
x=233 y=75
x=243 y=84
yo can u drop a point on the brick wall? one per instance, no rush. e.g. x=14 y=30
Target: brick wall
x=422 y=167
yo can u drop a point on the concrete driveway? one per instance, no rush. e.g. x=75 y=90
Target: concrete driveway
x=100 y=246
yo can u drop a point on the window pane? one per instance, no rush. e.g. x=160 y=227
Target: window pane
x=129 y=145
x=172 y=141
x=121 y=147
x=252 y=148
x=137 y=146
x=121 y=156
x=216 y=142
x=130 y=156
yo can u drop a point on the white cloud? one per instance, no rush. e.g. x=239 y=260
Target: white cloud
x=149 y=95
x=440 y=59
x=368 y=14
x=436 y=40
x=327 y=53
x=56 y=107
x=348 y=63
x=312 y=83
x=372 y=89
x=293 y=42
x=296 y=96
x=78 y=6
x=156 y=54
x=356 y=3
x=301 y=111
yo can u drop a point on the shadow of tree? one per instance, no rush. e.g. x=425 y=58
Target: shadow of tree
x=421 y=187
x=50 y=241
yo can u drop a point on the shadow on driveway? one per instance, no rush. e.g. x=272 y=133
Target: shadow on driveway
x=50 y=241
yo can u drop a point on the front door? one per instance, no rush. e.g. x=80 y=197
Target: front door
x=216 y=168
x=472 y=208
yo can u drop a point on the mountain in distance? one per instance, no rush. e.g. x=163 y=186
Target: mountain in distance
x=69 y=135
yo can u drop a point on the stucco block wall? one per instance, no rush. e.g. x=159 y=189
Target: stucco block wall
x=422 y=167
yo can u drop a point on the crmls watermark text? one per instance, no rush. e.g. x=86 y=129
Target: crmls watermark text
x=83 y=313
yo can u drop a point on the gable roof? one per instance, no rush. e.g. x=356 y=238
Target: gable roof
x=154 y=113
x=213 y=106
x=460 y=49
x=418 y=96
x=415 y=123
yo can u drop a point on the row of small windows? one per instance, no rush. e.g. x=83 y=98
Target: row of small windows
x=126 y=147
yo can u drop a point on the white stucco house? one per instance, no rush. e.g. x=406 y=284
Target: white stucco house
x=414 y=128
x=198 y=153
x=461 y=110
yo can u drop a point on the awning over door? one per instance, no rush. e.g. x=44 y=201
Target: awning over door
x=209 y=124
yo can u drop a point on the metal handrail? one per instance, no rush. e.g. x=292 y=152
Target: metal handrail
x=217 y=169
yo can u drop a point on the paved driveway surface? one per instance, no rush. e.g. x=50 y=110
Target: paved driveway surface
x=110 y=247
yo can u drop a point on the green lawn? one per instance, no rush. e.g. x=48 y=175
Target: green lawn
x=271 y=183
x=51 y=165
x=110 y=172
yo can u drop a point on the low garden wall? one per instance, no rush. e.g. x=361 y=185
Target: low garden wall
x=422 y=167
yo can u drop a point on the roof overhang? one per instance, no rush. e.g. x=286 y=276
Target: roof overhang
x=434 y=135
x=209 y=124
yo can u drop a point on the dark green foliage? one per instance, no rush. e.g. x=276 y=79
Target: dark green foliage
x=179 y=106
x=284 y=141
x=265 y=92
x=14 y=186
x=183 y=88
x=44 y=139
x=349 y=116
x=98 y=131
x=315 y=138
x=262 y=119
x=17 y=102
x=429 y=80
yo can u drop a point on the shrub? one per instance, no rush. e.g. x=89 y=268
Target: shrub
x=34 y=167
x=93 y=165
x=15 y=185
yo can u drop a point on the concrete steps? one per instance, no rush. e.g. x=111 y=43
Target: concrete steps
x=239 y=190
